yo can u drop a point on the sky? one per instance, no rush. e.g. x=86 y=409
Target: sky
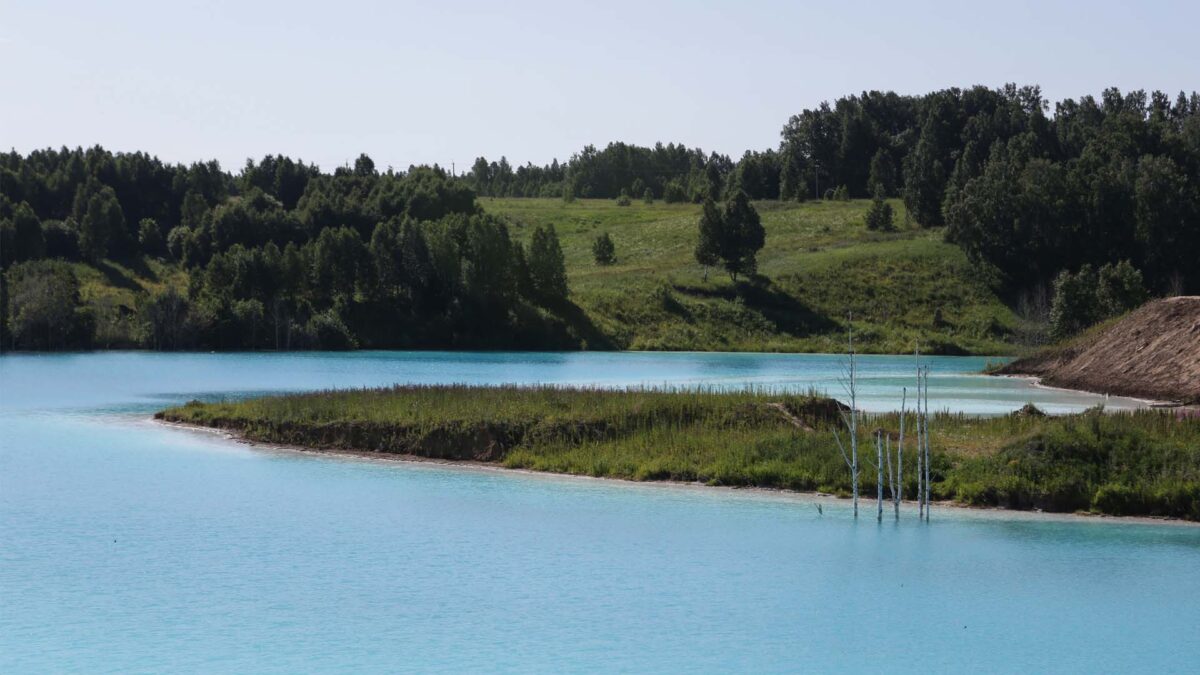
x=445 y=81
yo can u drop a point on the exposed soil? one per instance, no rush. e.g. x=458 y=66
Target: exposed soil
x=1154 y=352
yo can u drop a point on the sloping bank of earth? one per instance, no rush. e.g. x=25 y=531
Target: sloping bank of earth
x=1153 y=352
x=1144 y=463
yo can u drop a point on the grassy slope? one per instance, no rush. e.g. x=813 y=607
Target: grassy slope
x=819 y=256
x=820 y=259
x=1141 y=463
x=113 y=291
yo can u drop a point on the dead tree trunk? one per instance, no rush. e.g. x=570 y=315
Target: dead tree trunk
x=920 y=454
x=928 y=450
x=851 y=419
x=898 y=493
x=879 y=475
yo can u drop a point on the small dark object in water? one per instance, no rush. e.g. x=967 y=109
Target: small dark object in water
x=820 y=512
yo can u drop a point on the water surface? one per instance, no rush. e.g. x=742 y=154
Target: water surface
x=129 y=546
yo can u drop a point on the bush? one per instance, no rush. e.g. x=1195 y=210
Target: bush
x=648 y=196
x=1119 y=500
x=839 y=194
x=1120 y=288
x=44 y=308
x=603 y=250
x=166 y=320
x=623 y=199
x=1074 y=306
x=326 y=330
x=62 y=239
x=879 y=216
x=1088 y=297
x=150 y=236
x=673 y=192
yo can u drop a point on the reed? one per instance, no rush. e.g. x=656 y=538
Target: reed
x=1129 y=463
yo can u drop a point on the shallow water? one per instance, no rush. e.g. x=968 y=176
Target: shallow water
x=127 y=545
x=114 y=379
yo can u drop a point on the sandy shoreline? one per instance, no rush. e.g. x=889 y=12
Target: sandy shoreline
x=1036 y=381
x=865 y=505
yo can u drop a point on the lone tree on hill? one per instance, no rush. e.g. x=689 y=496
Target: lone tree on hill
x=708 y=248
x=743 y=236
x=733 y=237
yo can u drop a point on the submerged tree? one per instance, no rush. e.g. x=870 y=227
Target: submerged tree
x=850 y=383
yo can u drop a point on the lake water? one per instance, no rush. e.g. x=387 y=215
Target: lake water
x=130 y=546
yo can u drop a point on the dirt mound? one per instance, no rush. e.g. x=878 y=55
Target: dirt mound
x=1154 y=352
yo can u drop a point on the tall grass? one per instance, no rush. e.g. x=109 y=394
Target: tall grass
x=1144 y=462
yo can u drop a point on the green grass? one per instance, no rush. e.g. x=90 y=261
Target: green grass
x=906 y=289
x=820 y=262
x=113 y=290
x=1143 y=463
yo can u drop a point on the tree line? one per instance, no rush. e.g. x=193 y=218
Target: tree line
x=280 y=256
x=671 y=172
x=1026 y=193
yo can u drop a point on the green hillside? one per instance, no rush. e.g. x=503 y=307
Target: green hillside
x=906 y=288
x=819 y=263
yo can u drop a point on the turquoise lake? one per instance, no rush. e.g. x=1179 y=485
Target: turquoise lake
x=126 y=545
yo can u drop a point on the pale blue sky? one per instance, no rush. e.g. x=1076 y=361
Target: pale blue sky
x=417 y=82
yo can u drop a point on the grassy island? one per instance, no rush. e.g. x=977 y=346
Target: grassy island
x=1142 y=463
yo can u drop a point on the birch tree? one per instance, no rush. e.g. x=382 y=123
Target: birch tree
x=928 y=453
x=851 y=420
x=879 y=433
x=920 y=454
x=897 y=483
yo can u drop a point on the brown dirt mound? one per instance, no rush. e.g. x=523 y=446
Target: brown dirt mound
x=1154 y=352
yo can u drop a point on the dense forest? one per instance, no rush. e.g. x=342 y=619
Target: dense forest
x=281 y=255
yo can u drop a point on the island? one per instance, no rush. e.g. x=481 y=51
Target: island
x=1141 y=463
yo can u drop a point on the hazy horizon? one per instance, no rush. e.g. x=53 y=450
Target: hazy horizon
x=410 y=83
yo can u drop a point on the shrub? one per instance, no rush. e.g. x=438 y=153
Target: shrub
x=1118 y=499
x=879 y=216
x=623 y=199
x=673 y=192
x=150 y=236
x=1090 y=296
x=603 y=250
x=44 y=308
x=62 y=239
x=1120 y=288
x=1074 y=306
x=326 y=330
x=166 y=320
